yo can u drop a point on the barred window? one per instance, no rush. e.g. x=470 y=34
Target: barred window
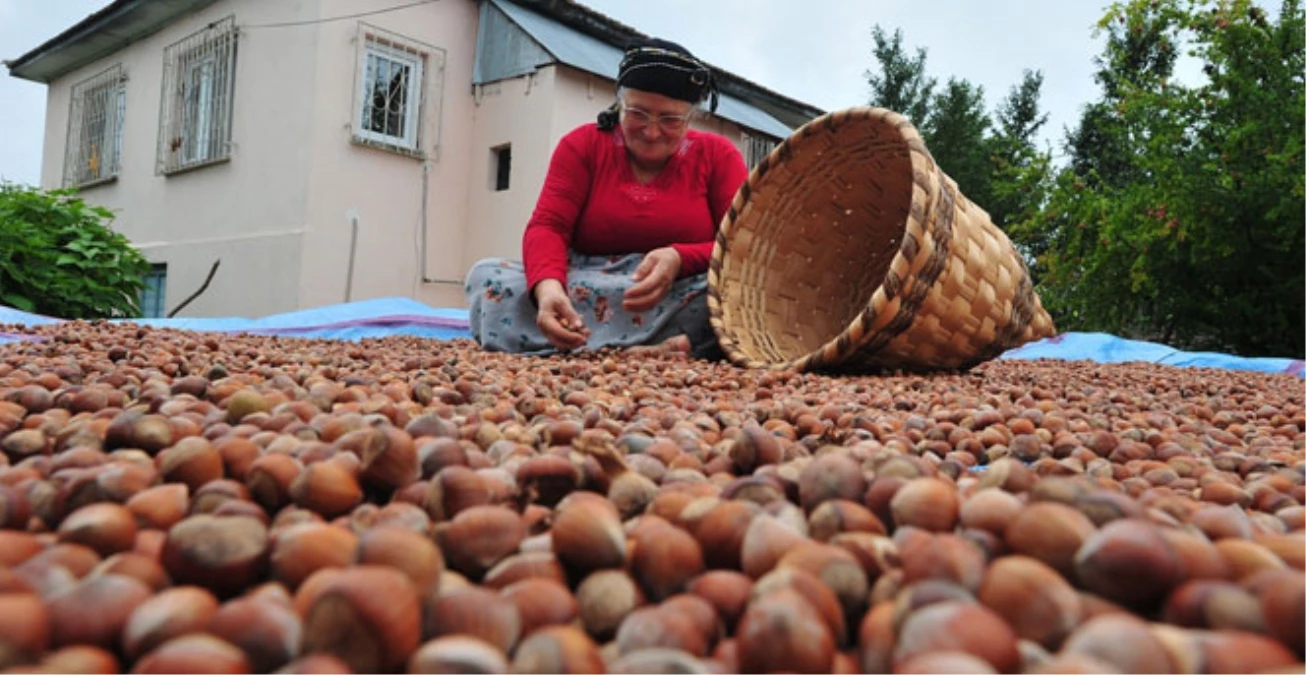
x=391 y=86
x=756 y=148
x=95 y=128
x=199 y=77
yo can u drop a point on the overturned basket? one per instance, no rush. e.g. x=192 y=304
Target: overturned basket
x=849 y=249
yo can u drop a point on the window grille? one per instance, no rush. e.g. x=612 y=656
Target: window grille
x=95 y=128
x=154 y=293
x=756 y=148
x=391 y=91
x=199 y=77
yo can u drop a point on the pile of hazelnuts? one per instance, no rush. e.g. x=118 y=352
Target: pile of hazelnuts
x=175 y=501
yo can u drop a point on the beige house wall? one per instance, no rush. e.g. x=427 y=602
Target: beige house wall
x=381 y=188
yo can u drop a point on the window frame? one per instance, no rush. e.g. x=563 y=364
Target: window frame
x=197 y=101
x=425 y=65
x=109 y=85
x=756 y=148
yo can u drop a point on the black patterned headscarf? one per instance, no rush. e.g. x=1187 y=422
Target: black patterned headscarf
x=665 y=68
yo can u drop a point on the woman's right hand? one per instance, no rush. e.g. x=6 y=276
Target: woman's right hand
x=556 y=317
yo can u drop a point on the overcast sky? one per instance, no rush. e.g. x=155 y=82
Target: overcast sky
x=816 y=51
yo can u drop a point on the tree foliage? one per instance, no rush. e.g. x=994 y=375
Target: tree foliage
x=996 y=165
x=1180 y=216
x=900 y=84
x=58 y=257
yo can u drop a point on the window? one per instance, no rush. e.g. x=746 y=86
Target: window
x=392 y=73
x=756 y=148
x=199 y=77
x=154 y=295
x=95 y=128
x=501 y=166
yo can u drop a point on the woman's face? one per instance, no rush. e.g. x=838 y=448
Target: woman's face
x=652 y=125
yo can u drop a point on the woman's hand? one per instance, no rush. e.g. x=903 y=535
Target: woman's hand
x=556 y=317
x=653 y=279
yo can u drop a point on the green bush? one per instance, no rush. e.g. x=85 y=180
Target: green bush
x=58 y=257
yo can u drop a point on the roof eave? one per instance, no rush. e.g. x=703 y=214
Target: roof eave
x=107 y=31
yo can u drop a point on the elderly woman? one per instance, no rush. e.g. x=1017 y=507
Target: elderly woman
x=617 y=249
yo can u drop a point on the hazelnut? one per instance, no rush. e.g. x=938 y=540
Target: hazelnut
x=192 y=461
x=316 y=664
x=473 y=611
x=1121 y=641
x=368 y=615
x=524 y=565
x=664 y=558
x=839 y=571
x=1037 y=602
x=411 y=553
x=161 y=506
x=546 y=479
x=836 y=516
x=781 y=632
x=194 y=653
x=300 y=550
x=238 y=455
x=655 y=626
x=720 y=530
x=222 y=553
x=269 y=479
x=990 y=509
x=728 y=591
x=452 y=490
x=832 y=475
x=136 y=565
x=558 y=649
x=927 y=503
x=106 y=528
x=24 y=628
x=659 y=660
x=542 y=602
x=388 y=457
x=1206 y=603
x=587 y=535
x=766 y=540
x=958 y=626
x=17 y=547
x=457 y=654
x=80 y=659
x=266 y=629
x=327 y=488
x=605 y=598
x=95 y=610
x=1050 y=531
x=172 y=613
x=817 y=594
x=942 y=556
x=754 y=447
x=480 y=536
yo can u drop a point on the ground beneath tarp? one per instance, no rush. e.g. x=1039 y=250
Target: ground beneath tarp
x=384 y=317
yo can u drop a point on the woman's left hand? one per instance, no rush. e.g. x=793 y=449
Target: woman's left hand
x=653 y=279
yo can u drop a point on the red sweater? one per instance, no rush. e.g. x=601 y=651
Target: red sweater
x=591 y=202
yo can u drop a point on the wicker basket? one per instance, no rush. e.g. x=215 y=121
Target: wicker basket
x=849 y=249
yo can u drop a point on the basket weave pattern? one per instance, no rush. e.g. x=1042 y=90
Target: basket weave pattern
x=849 y=249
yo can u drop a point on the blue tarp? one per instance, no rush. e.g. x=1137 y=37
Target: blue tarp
x=403 y=316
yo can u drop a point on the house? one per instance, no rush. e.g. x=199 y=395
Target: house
x=333 y=150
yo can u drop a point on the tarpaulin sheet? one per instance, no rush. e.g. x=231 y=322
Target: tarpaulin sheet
x=403 y=316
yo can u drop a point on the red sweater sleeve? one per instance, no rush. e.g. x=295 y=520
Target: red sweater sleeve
x=726 y=173
x=551 y=227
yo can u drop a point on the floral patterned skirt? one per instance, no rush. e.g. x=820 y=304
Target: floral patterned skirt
x=502 y=314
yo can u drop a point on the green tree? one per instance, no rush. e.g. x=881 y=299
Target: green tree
x=956 y=132
x=59 y=257
x=900 y=83
x=1181 y=214
x=1020 y=178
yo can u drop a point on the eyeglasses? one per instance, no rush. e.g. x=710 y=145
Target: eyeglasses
x=639 y=119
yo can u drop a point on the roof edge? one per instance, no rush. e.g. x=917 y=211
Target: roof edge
x=612 y=31
x=73 y=45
